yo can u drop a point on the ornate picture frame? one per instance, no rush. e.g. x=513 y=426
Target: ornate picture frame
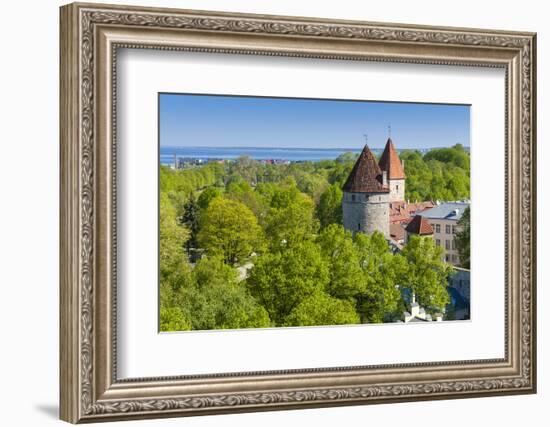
x=90 y=37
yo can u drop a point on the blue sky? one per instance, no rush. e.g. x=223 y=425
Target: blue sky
x=234 y=121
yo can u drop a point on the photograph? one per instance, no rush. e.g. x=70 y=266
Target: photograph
x=296 y=212
x=270 y=210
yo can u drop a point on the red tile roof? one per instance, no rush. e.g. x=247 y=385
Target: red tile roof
x=389 y=162
x=366 y=176
x=419 y=225
x=402 y=211
x=397 y=232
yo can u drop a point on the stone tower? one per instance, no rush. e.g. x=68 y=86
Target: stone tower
x=366 y=199
x=390 y=163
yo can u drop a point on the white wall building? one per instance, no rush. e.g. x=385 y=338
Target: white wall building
x=444 y=221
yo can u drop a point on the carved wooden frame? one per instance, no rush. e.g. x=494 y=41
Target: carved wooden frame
x=90 y=36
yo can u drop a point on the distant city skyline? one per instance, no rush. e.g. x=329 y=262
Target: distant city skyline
x=238 y=121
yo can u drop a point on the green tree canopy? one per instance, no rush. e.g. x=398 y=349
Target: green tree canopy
x=463 y=239
x=347 y=279
x=282 y=280
x=322 y=309
x=220 y=301
x=381 y=273
x=291 y=218
x=426 y=273
x=229 y=229
x=206 y=196
x=173 y=319
x=173 y=237
x=329 y=209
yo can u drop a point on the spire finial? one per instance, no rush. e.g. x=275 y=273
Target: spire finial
x=389 y=130
x=366 y=136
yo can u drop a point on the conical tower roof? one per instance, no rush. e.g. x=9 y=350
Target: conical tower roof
x=366 y=176
x=390 y=162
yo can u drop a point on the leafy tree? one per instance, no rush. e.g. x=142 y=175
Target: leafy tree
x=281 y=281
x=179 y=199
x=190 y=219
x=172 y=239
x=229 y=229
x=243 y=192
x=381 y=276
x=339 y=251
x=311 y=183
x=221 y=301
x=329 y=209
x=322 y=309
x=245 y=168
x=442 y=174
x=173 y=319
x=463 y=239
x=291 y=218
x=454 y=155
x=207 y=196
x=426 y=274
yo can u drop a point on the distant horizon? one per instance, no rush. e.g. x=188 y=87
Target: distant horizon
x=222 y=121
x=307 y=148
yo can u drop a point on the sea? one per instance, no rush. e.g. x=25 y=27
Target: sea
x=257 y=153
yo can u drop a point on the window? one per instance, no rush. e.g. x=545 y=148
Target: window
x=448 y=229
x=454 y=244
x=359 y=226
x=454 y=229
x=438 y=242
x=438 y=228
x=397 y=187
x=446 y=258
x=353 y=197
x=447 y=244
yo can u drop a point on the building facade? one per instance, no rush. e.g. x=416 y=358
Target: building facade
x=444 y=221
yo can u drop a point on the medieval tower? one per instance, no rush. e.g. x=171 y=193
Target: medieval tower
x=390 y=163
x=366 y=199
x=370 y=188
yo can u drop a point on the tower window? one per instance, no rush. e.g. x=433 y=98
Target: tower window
x=397 y=187
x=358 y=226
x=353 y=197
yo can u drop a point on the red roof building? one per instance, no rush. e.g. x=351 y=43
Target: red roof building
x=419 y=225
x=397 y=233
x=402 y=211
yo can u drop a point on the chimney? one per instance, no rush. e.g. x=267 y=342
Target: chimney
x=384 y=178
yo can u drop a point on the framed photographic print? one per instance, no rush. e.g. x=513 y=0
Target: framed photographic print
x=264 y=212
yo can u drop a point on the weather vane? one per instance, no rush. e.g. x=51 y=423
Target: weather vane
x=366 y=138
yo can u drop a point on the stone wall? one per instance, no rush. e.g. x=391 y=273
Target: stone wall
x=397 y=190
x=366 y=212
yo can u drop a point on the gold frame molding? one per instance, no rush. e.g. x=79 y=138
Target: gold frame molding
x=90 y=37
